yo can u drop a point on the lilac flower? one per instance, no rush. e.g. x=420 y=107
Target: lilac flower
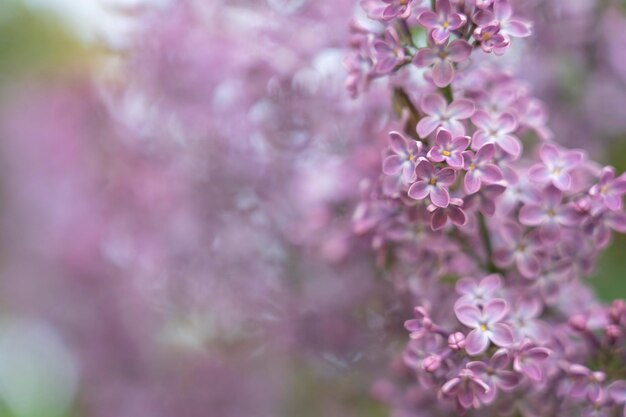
x=478 y=293
x=453 y=212
x=484 y=200
x=466 y=388
x=388 y=9
x=443 y=22
x=491 y=39
x=610 y=190
x=496 y=374
x=448 y=149
x=480 y=167
x=442 y=57
x=503 y=16
x=433 y=183
x=524 y=320
x=519 y=249
x=585 y=382
x=487 y=324
x=496 y=129
x=420 y=325
x=439 y=113
x=388 y=52
x=556 y=167
x=405 y=154
x=549 y=214
x=529 y=360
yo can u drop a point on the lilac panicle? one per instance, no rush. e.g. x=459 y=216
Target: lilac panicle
x=512 y=224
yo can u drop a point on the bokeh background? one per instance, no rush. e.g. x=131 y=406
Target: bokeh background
x=173 y=236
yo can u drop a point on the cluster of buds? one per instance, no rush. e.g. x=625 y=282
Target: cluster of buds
x=486 y=222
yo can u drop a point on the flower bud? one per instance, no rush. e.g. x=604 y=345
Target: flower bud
x=578 y=322
x=456 y=341
x=613 y=333
x=431 y=363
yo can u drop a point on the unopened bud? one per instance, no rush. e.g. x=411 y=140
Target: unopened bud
x=456 y=341
x=431 y=363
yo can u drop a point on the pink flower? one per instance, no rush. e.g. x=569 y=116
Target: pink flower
x=442 y=57
x=503 y=16
x=440 y=114
x=480 y=167
x=556 y=166
x=404 y=157
x=519 y=249
x=388 y=52
x=453 y=212
x=610 y=190
x=528 y=360
x=443 y=22
x=549 y=214
x=496 y=129
x=466 y=388
x=433 y=183
x=448 y=149
x=496 y=374
x=478 y=293
x=491 y=39
x=388 y=9
x=487 y=324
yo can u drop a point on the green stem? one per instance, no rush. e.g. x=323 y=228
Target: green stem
x=486 y=238
x=447 y=93
x=401 y=101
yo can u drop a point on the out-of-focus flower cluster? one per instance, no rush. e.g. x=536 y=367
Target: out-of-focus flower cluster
x=216 y=225
x=487 y=223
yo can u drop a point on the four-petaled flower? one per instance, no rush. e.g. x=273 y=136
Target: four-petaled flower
x=491 y=39
x=496 y=129
x=404 y=157
x=432 y=182
x=477 y=293
x=442 y=58
x=388 y=52
x=466 y=388
x=610 y=190
x=454 y=212
x=480 y=167
x=443 y=22
x=487 y=324
x=529 y=358
x=448 y=149
x=556 y=167
x=503 y=16
x=448 y=116
x=519 y=248
x=548 y=212
x=496 y=374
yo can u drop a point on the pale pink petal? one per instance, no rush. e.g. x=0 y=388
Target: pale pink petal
x=434 y=104
x=425 y=57
x=438 y=220
x=419 y=190
x=532 y=215
x=427 y=125
x=398 y=143
x=461 y=109
x=476 y=342
x=428 y=19
x=392 y=165
x=443 y=73
x=468 y=314
x=495 y=310
x=459 y=50
x=501 y=334
x=446 y=176
x=440 y=197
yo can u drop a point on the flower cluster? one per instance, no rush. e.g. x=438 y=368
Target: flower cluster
x=488 y=223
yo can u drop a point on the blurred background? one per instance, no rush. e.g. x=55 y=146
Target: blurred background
x=175 y=220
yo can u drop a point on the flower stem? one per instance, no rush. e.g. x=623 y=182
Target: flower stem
x=486 y=238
